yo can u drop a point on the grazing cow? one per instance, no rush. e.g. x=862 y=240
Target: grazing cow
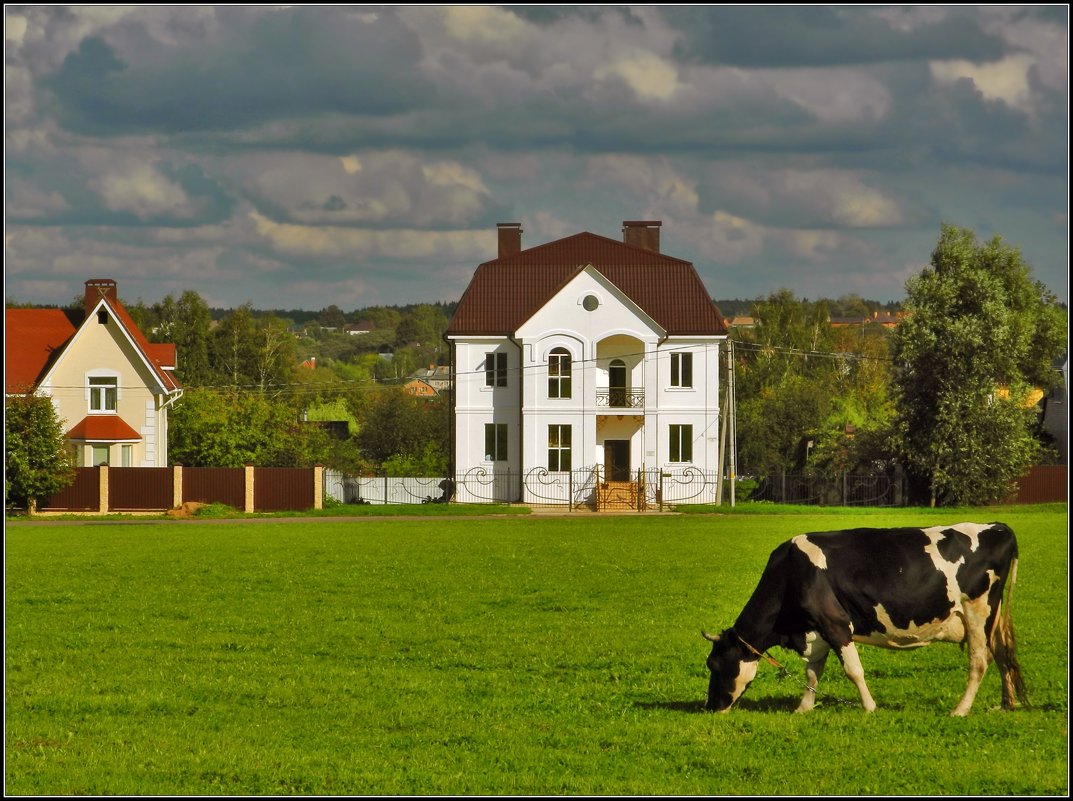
x=892 y=587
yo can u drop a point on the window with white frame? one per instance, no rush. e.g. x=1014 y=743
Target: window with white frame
x=103 y=393
x=559 y=437
x=127 y=455
x=495 y=369
x=495 y=442
x=559 y=373
x=682 y=370
x=681 y=443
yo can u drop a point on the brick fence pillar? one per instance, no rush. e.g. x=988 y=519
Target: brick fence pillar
x=176 y=486
x=318 y=486
x=249 y=488
x=102 y=473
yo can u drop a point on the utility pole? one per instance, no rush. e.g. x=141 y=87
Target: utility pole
x=721 y=461
x=733 y=425
x=724 y=405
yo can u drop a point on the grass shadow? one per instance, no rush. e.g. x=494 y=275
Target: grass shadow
x=697 y=707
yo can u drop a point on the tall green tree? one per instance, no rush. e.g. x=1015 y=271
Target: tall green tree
x=252 y=351
x=187 y=322
x=979 y=334
x=234 y=349
x=37 y=462
x=398 y=426
x=811 y=397
x=783 y=392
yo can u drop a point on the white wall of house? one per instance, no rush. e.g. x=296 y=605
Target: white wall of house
x=597 y=326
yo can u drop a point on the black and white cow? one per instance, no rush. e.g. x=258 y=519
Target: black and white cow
x=892 y=587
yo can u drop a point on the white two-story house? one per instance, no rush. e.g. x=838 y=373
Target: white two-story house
x=581 y=362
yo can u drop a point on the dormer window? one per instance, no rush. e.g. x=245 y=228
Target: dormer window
x=103 y=393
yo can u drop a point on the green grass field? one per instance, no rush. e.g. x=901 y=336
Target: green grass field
x=502 y=655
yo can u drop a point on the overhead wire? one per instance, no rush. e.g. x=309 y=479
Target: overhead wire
x=374 y=384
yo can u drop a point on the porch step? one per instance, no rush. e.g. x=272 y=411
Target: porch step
x=620 y=495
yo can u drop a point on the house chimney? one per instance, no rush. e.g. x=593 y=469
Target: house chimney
x=642 y=233
x=510 y=239
x=97 y=288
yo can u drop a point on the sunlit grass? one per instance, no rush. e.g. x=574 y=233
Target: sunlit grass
x=501 y=656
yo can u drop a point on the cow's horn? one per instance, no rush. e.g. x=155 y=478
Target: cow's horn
x=709 y=637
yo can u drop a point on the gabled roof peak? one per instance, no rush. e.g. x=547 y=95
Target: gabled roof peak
x=508 y=290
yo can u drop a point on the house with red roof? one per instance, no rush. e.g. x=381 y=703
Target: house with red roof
x=110 y=386
x=584 y=354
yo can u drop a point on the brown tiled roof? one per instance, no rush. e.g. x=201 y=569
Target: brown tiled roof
x=32 y=340
x=506 y=292
x=103 y=428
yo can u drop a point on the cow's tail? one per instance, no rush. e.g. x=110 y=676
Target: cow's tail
x=1004 y=647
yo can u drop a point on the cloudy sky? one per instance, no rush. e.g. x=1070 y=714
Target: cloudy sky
x=297 y=157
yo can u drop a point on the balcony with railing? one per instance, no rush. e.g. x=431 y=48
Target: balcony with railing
x=620 y=398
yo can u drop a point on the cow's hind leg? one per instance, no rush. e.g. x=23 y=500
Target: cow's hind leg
x=975 y=614
x=815 y=656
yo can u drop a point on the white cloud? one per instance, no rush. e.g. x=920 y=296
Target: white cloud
x=655 y=179
x=355 y=244
x=837 y=197
x=15 y=26
x=141 y=190
x=1005 y=80
x=484 y=25
x=382 y=187
x=649 y=76
x=836 y=95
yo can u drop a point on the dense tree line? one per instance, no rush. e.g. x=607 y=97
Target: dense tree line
x=810 y=397
x=946 y=395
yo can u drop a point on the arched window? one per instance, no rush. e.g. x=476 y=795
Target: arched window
x=616 y=380
x=559 y=373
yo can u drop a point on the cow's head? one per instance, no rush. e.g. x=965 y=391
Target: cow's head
x=732 y=665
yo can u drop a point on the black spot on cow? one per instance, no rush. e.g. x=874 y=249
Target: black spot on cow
x=954 y=545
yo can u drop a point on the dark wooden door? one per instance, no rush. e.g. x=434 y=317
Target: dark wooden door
x=617 y=460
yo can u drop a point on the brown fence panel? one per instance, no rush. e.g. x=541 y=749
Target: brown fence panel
x=225 y=485
x=278 y=489
x=1043 y=484
x=133 y=489
x=82 y=495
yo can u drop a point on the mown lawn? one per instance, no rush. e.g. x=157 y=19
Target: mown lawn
x=515 y=655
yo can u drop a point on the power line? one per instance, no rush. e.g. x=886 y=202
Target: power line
x=374 y=384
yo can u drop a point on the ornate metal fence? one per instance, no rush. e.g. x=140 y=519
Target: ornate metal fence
x=585 y=487
x=843 y=489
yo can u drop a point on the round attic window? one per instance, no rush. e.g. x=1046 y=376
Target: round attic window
x=590 y=303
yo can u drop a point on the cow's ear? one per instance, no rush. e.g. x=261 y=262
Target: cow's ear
x=709 y=637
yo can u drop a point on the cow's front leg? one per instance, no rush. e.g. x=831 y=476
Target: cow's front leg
x=851 y=663
x=815 y=656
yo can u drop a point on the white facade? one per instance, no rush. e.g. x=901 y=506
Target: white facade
x=589 y=380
